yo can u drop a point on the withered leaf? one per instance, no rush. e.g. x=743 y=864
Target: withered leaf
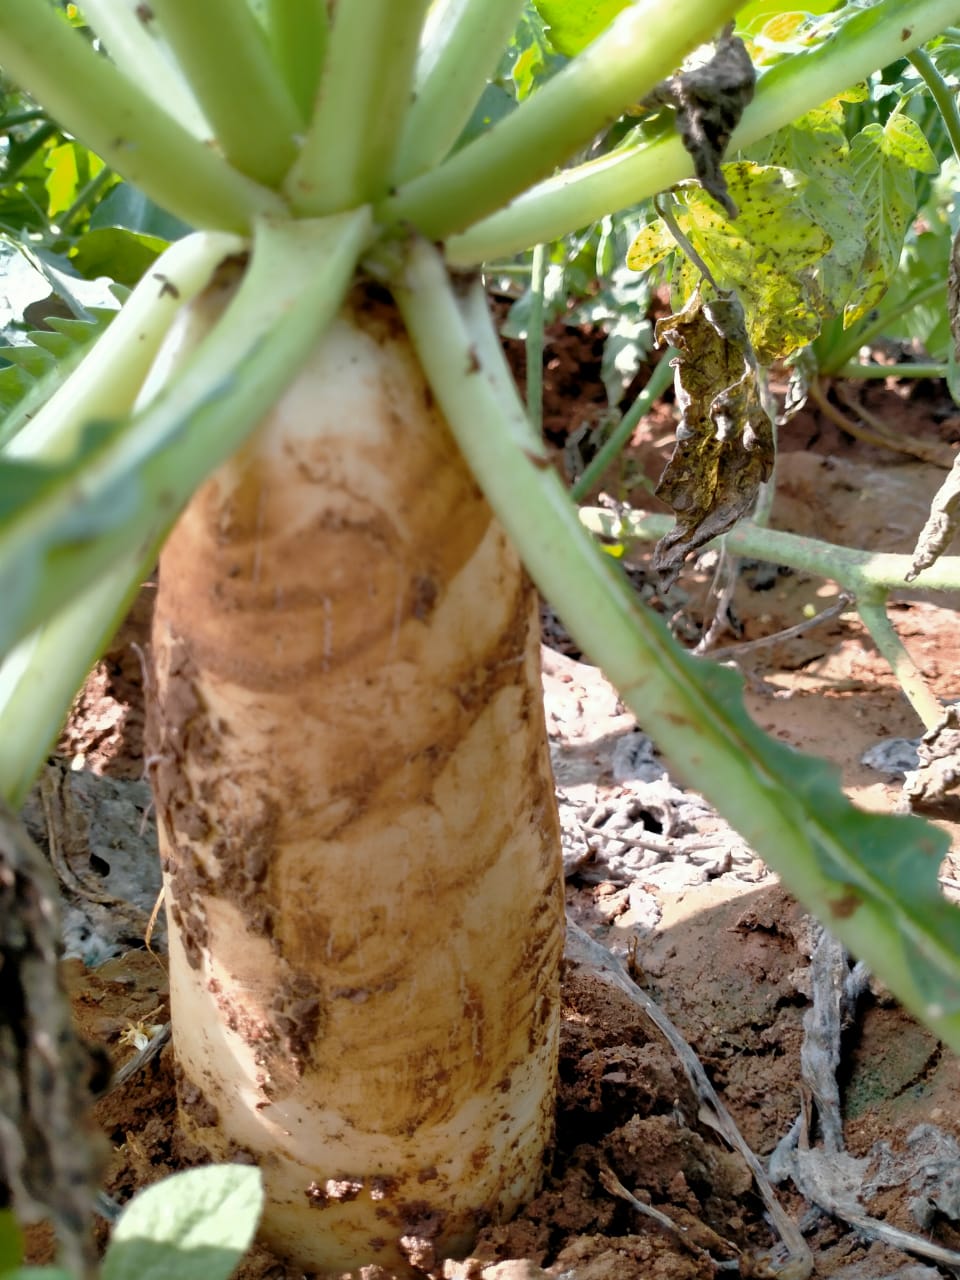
x=725 y=447
x=709 y=100
x=938 y=774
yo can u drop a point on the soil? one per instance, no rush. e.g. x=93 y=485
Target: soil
x=705 y=929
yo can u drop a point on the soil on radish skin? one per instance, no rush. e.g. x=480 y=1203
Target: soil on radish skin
x=725 y=959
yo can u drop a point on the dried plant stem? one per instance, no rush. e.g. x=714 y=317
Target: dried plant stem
x=872 y=431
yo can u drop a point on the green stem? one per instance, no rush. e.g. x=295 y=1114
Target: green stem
x=854 y=369
x=942 y=94
x=891 y=647
x=868 y=575
x=686 y=248
x=126 y=486
x=644 y=43
x=224 y=54
x=113 y=117
x=658 y=382
x=20 y=117
x=298 y=31
x=788 y=807
x=573 y=199
x=463 y=42
x=534 y=349
x=22 y=150
x=365 y=92
x=85 y=197
x=134 y=48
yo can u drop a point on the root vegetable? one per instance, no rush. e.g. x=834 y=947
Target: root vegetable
x=357 y=820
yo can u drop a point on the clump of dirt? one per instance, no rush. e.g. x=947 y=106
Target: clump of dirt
x=106 y=726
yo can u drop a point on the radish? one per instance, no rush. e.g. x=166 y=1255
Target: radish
x=357 y=820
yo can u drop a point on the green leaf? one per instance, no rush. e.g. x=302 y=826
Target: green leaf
x=529 y=59
x=126 y=207
x=573 y=24
x=494 y=103
x=33 y=374
x=11 y=1242
x=924 y=262
x=883 y=161
x=904 y=141
x=122 y=255
x=195 y=1225
x=32 y=360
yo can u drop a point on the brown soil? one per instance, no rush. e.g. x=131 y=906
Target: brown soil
x=725 y=953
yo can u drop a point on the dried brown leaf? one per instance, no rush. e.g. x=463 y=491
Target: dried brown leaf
x=938 y=774
x=709 y=100
x=725 y=447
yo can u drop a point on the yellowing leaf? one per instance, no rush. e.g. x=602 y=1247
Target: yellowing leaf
x=767 y=254
x=573 y=24
x=815 y=144
x=63 y=180
x=650 y=246
x=71 y=167
x=783 y=27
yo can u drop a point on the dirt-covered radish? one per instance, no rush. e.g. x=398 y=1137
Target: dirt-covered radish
x=357 y=819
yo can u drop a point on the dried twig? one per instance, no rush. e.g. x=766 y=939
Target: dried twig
x=611 y=1183
x=827 y=1176
x=842 y=603
x=937 y=454
x=825 y=1181
x=584 y=951
x=871 y=431
x=724 y=589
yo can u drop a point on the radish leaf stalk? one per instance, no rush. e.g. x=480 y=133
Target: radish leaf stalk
x=462 y=43
x=106 y=383
x=364 y=98
x=298 y=32
x=63 y=527
x=133 y=45
x=255 y=129
x=121 y=123
x=40 y=676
